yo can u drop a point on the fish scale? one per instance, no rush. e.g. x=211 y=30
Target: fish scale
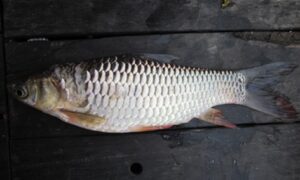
x=160 y=90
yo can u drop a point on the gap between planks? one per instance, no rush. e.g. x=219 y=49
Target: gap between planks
x=242 y=126
x=61 y=37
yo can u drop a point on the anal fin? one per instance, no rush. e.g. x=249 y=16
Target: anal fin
x=149 y=128
x=215 y=116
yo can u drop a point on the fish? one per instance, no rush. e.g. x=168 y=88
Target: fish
x=145 y=92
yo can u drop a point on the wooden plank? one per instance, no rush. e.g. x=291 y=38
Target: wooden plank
x=4 y=150
x=24 y=18
x=4 y=160
x=4 y=155
x=2 y=78
x=219 y=51
x=283 y=38
x=3 y=116
x=262 y=152
x=1 y=13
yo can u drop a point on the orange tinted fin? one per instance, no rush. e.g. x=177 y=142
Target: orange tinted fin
x=215 y=116
x=82 y=119
x=149 y=128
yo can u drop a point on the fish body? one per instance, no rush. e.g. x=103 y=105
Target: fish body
x=137 y=93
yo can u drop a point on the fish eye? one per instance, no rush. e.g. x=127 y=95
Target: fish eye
x=21 y=92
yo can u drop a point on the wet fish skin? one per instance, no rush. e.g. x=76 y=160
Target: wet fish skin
x=135 y=93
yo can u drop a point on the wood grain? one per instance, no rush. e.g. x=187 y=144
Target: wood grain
x=4 y=160
x=4 y=154
x=264 y=152
x=1 y=16
x=214 y=50
x=53 y=18
x=3 y=116
x=2 y=76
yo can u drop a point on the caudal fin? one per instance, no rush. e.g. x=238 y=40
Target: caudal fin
x=261 y=96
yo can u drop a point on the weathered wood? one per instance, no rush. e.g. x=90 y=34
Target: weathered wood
x=4 y=154
x=283 y=38
x=2 y=76
x=1 y=13
x=4 y=157
x=3 y=123
x=4 y=160
x=219 y=51
x=262 y=152
x=24 y=18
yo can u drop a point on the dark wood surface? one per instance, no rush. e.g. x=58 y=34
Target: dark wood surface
x=213 y=50
x=4 y=138
x=202 y=33
x=24 y=18
x=260 y=152
x=2 y=79
x=4 y=159
x=1 y=15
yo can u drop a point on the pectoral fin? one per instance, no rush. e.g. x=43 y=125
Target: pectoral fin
x=82 y=119
x=215 y=116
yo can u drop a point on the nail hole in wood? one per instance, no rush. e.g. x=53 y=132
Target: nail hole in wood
x=136 y=168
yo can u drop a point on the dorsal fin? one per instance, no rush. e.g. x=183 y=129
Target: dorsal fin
x=163 y=58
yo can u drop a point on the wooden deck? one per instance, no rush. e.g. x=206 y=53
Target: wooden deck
x=36 y=34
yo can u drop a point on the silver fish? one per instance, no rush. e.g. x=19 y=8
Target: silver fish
x=137 y=93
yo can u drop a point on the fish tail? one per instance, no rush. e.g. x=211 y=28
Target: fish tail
x=260 y=93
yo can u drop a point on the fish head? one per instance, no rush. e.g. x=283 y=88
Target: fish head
x=39 y=92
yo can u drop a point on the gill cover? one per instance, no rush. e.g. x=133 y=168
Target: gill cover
x=41 y=93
